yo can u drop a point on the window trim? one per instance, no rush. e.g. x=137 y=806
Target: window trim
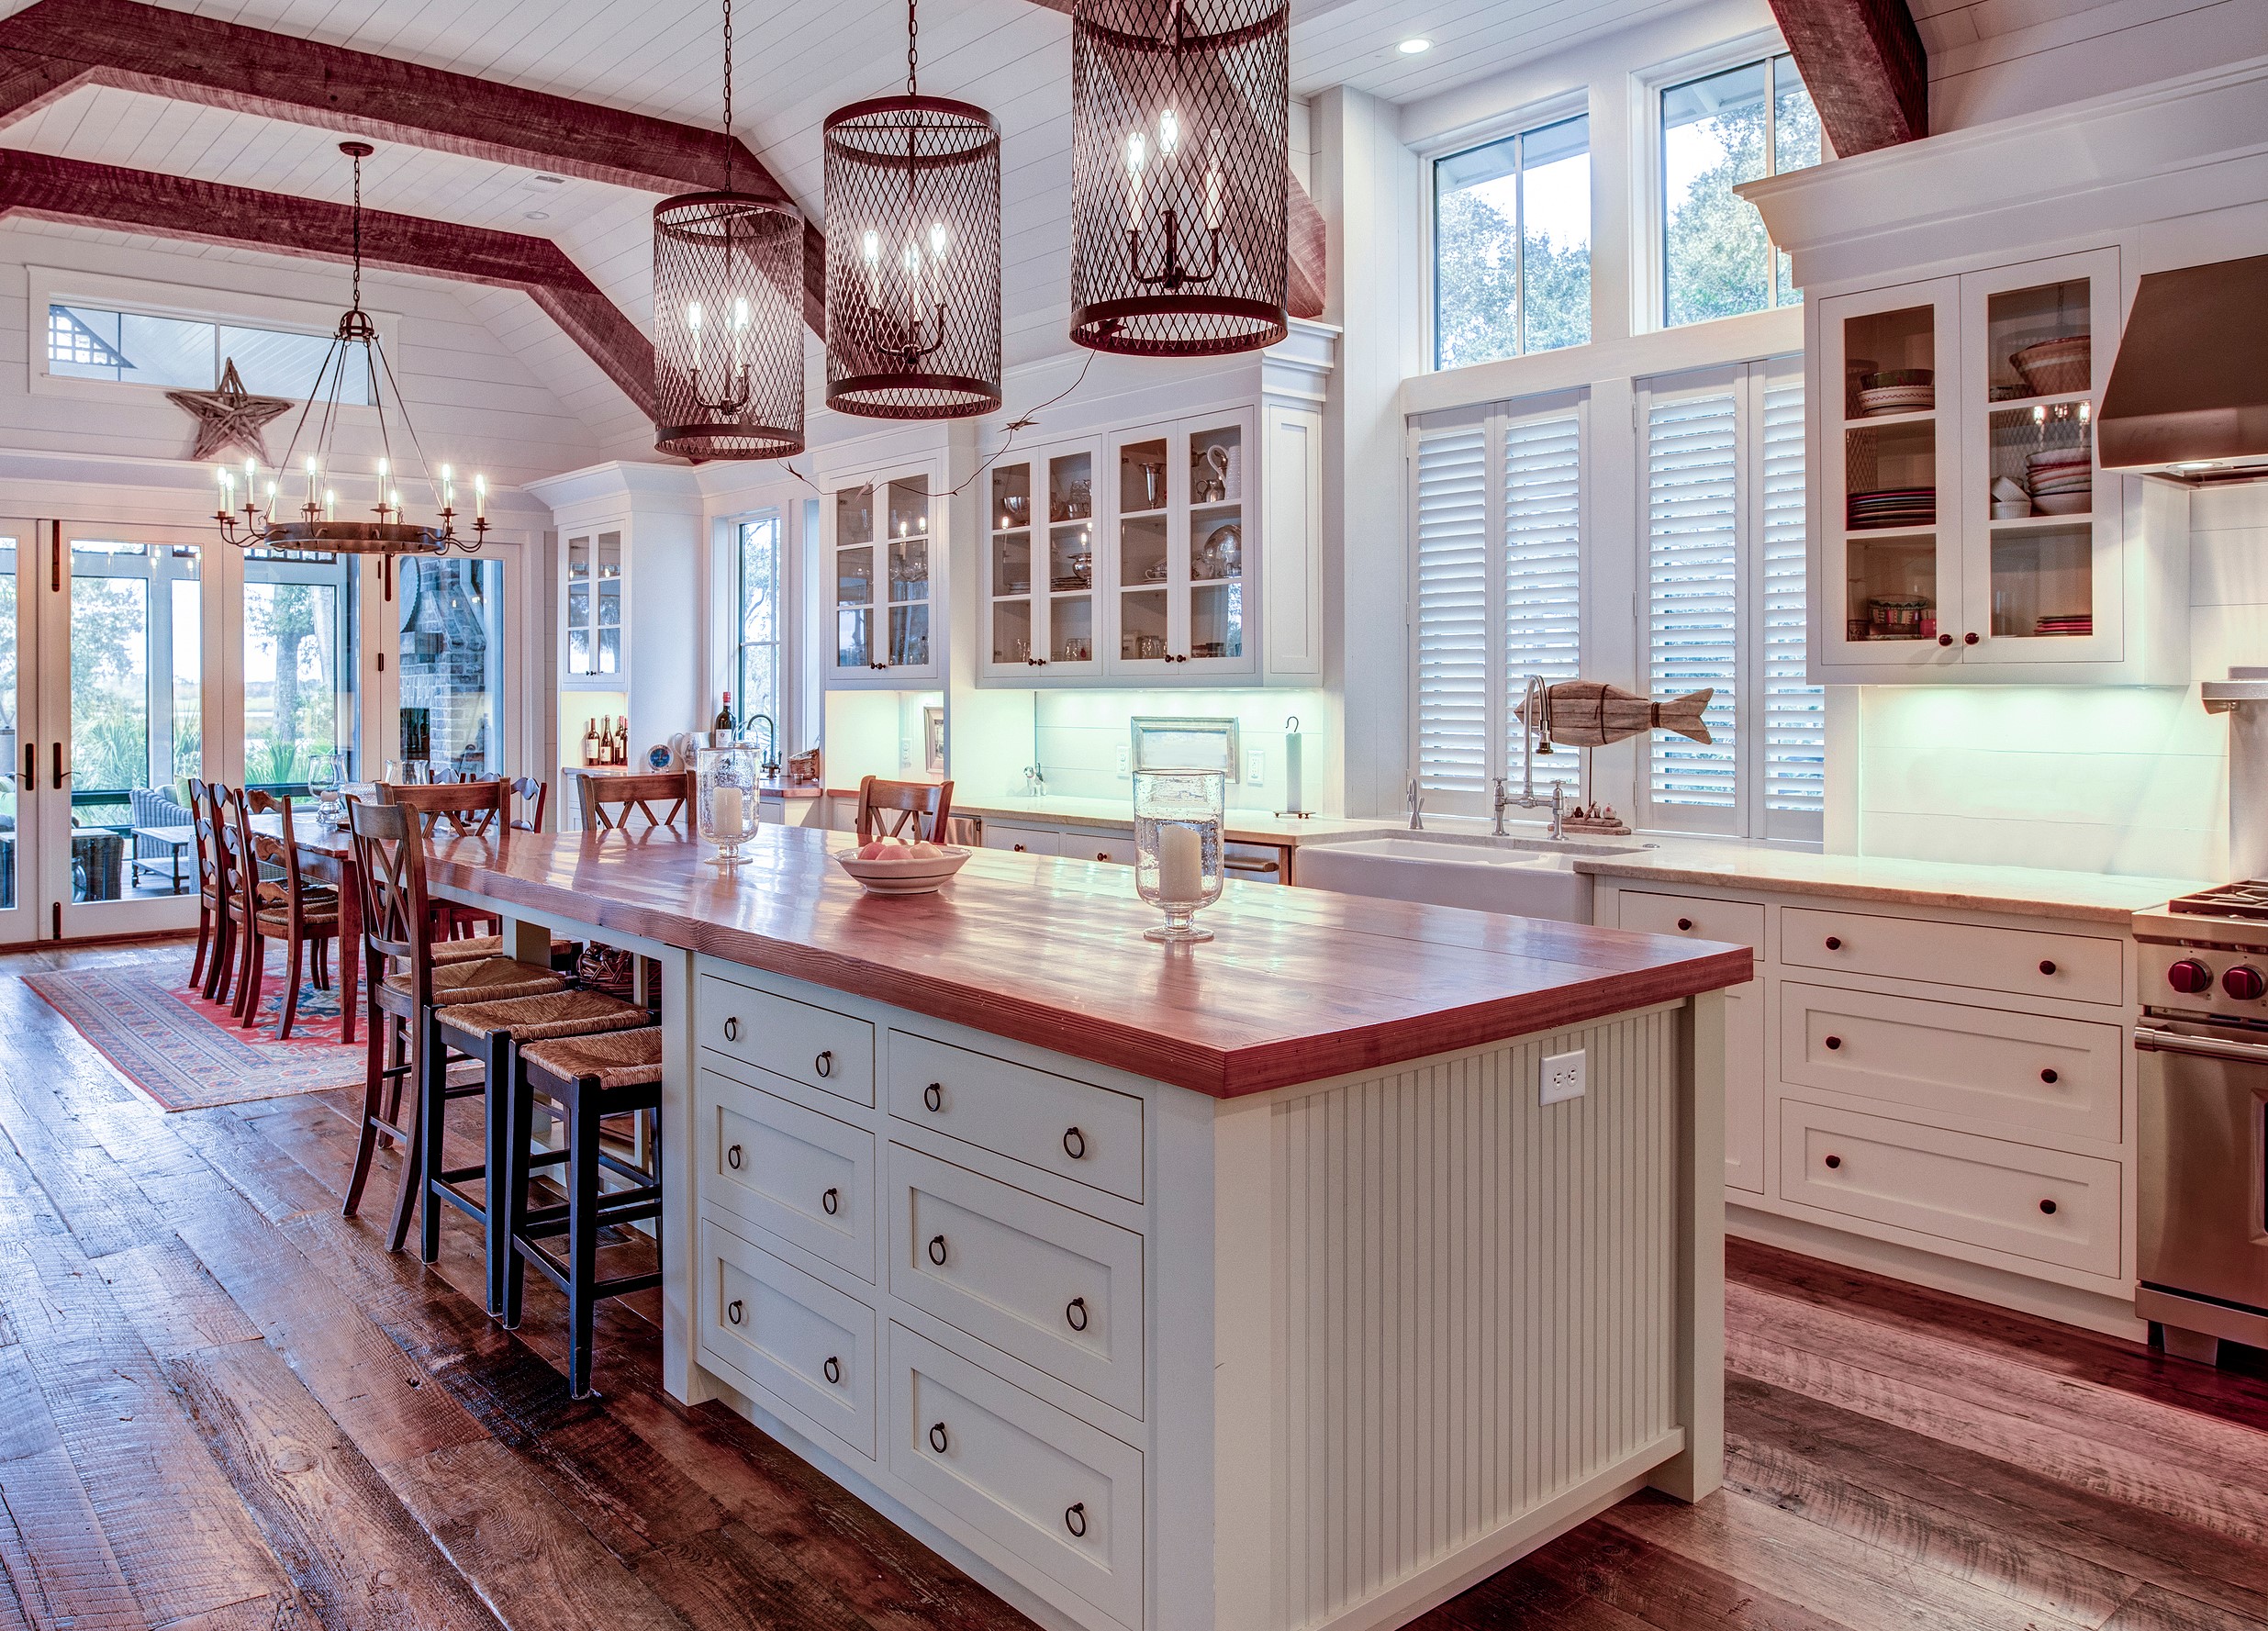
x=57 y=286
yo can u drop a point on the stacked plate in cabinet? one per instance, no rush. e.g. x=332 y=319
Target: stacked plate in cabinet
x=1893 y=506
x=2061 y=480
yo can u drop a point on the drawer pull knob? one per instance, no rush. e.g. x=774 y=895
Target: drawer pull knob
x=732 y=1157
x=1969 y=639
x=1074 y=1314
x=832 y=1201
x=1685 y=924
x=1075 y=1519
x=1835 y=943
x=1017 y=847
x=2047 y=966
x=2047 y=1207
x=1075 y=1143
x=824 y=1063
x=1945 y=639
x=735 y=1309
x=1834 y=1161
x=938 y=1439
x=2048 y=1077
x=934 y=1096
x=1102 y=855
x=832 y=1371
x=732 y=1029
x=937 y=1250
x=1834 y=1042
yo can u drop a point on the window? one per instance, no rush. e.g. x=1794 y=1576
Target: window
x=1498 y=566
x=1717 y=131
x=180 y=354
x=1511 y=246
x=1724 y=462
x=756 y=666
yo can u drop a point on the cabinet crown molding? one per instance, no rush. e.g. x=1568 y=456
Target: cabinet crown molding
x=648 y=488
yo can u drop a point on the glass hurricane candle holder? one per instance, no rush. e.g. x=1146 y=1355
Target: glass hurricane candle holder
x=327 y=778
x=1179 y=816
x=725 y=798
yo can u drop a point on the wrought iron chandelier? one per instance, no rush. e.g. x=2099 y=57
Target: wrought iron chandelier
x=913 y=254
x=268 y=519
x=1181 y=110
x=728 y=328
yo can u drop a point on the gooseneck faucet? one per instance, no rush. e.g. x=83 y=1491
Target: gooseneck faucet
x=771 y=741
x=1532 y=743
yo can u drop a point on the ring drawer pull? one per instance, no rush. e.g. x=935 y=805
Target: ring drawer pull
x=1075 y=1519
x=1685 y=924
x=1074 y=1314
x=1834 y=1042
x=734 y=1310
x=2048 y=1077
x=937 y=1250
x=1075 y=1143
x=824 y=1063
x=732 y=1157
x=938 y=1437
x=2047 y=966
x=1834 y=1161
x=2047 y=1207
x=1835 y=943
x=732 y=1029
x=934 y=1096
x=832 y=1371
x=832 y=1201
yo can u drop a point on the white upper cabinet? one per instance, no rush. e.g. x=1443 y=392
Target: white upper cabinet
x=1962 y=531
x=1037 y=606
x=593 y=650
x=883 y=563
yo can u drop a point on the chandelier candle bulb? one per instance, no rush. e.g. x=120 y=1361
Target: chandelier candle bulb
x=480 y=497
x=1137 y=145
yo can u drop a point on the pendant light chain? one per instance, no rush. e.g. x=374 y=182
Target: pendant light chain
x=729 y=143
x=913 y=35
x=357 y=231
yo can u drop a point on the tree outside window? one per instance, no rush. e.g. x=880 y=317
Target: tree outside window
x=1511 y=246
x=1716 y=132
x=756 y=671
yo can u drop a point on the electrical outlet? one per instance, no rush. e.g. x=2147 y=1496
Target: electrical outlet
x=1565 y=1076
x=1256 y=766
x=1125 y=761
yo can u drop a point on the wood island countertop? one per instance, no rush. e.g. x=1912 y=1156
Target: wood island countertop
x=1298 y=985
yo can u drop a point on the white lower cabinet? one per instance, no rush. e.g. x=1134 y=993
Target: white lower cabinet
x=805 y=1177
x=1024 y=841
x=981 y=1454
x=1740 y=923
x=1085 y=1133
x=765 y=1322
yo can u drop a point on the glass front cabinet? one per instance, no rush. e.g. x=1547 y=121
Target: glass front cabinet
x=1039 y=601
x=883 y=553
x=1964 y=532
x=592 y=634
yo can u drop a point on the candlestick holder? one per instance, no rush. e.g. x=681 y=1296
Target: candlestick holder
x=1179 y=822
x=726 y=780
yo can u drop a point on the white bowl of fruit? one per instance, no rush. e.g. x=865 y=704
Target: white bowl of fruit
x=895 y=866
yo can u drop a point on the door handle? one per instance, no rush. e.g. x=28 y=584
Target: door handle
x=31 y=767
x=59 y=772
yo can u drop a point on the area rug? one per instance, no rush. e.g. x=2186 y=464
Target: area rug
x=188 y=1053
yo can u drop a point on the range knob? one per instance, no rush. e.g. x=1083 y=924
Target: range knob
x=2189 y=976
x=2245 y=983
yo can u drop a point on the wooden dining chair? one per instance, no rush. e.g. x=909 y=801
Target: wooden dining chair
x=535 y=795
x=622 y=794
x=469 y=809
x=212 y=818
x=286 y=907
x=887 y=809
x=211 y=910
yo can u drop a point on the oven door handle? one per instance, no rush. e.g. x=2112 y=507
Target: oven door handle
x=2154 y=1039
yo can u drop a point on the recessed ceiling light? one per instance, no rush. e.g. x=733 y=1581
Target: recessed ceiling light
x=542 y=179
x=539 y=215
x=1411 y=47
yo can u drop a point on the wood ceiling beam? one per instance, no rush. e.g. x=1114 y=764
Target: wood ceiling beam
x=55 y=46
x=1865 y=66
x=82 y=194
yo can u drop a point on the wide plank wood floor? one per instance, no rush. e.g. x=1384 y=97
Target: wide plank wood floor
x=224 y=1406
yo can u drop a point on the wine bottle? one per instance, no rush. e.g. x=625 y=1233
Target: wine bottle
x=725 y=715
x=590 y=742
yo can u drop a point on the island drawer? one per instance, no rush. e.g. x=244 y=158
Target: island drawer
x=1027 y=841
x=1739 y=922
x=1056 y=1492
x=2032 y=962
x=2036 y=1203
x=2036 y=1074
x=1054 y=1288
x=1074 y=1128
x=765 y=1322
x=804 y=1177
x=813 y=1046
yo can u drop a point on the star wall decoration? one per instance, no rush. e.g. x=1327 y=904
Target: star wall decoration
x=230 y=417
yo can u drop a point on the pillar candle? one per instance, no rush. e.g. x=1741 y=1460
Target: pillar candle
x=1180 y=865
x=728 y=814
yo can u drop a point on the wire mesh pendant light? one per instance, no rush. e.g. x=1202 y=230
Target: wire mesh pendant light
x=913 y=254
x=1179 y=113
x=727 y=325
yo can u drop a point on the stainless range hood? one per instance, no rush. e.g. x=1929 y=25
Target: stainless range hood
x=2188 y=396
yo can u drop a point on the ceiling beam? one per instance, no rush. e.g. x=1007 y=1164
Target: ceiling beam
x=54 y=47
x=1865 y=66
x=86 y=195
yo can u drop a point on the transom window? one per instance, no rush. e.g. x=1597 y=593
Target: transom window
x=1716 y=132
x=184 y=353
x=1511 y=246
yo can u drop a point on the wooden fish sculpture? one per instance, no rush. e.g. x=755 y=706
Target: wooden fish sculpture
x=1585 y=713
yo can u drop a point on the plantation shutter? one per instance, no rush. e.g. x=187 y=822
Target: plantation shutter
x=1794 y=712
x=1694 y=578
x=1452 y=601
x=1543 y=570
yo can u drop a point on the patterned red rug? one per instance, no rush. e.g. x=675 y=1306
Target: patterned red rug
x=188 y=1053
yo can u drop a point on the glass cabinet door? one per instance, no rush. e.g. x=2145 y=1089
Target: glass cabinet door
x=909 y=573
x=578 y=608
x=1013 y=620
x=854 y=580
x=882 y=536
x=1067 y=630
x=608 y=635
x=1144 y=481
x=1211 y=570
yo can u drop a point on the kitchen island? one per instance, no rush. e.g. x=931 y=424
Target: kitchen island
x=1241 y=1285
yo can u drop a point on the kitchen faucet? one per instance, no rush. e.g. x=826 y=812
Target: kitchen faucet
x=1531 y=717
x=1417 y=806
x=771 y=742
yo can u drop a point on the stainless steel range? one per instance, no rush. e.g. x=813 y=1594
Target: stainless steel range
x=2204 y=1178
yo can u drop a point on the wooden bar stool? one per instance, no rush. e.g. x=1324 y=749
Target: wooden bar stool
x=581 y=1081
x=407 y=985
x=886 y=809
